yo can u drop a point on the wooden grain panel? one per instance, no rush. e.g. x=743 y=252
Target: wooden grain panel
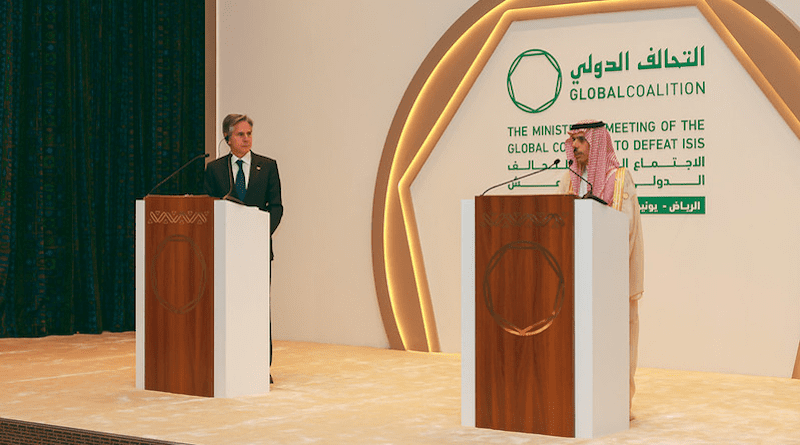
x=524 y=277
x=179 y=294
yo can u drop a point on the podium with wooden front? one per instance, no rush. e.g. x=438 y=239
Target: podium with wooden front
x=544 y=316
x=202 y=297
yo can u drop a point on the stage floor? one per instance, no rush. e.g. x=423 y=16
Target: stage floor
x=335 y=394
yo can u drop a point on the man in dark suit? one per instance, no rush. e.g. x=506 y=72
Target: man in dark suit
x=250 y=178
x=257 y=183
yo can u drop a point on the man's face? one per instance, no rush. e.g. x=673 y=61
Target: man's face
x=241 y=139
x=580 y=147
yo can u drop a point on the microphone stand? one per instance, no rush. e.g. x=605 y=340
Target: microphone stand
x=228 y=196
x=523 y=176
x=589 y=194
x=204 y=155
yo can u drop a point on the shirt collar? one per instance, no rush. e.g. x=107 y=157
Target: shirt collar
x=246 y=158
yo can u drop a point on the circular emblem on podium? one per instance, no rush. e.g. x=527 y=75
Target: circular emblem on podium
x=201 y=286
x=536 y=327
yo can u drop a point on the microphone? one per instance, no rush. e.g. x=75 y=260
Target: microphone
x=204 y=155
x=228 y=196
x=523 y=176
x=588 y=195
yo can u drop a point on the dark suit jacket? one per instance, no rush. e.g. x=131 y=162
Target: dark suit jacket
x=263 y=187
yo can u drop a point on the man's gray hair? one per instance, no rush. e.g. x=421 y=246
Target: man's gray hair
x=231 y=120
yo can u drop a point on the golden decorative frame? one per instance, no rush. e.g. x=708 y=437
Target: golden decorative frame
x=763 y=40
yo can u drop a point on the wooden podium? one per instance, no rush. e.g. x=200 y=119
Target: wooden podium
x=544 y=326
x=202 y=297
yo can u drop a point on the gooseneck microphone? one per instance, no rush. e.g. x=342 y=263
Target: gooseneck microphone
x=229 y=196
x=204 y=155
x=588 y=195
x=523 y=176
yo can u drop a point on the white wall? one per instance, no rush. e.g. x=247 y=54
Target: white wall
x=322 y=81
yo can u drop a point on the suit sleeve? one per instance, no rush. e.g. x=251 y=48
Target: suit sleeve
x=274 y=201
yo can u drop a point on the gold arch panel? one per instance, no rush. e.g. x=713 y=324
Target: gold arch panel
x=764 y=41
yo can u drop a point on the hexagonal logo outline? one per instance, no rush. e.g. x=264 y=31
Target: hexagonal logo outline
x=510 y=86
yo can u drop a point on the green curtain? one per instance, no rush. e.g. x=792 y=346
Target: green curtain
x=100 y=101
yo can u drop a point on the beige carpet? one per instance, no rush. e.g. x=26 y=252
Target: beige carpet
x=331 y=394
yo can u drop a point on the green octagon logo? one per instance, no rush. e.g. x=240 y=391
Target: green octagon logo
x=534 y=81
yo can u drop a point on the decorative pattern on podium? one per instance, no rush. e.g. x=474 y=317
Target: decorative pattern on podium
x=190 y=217
x=520 y=219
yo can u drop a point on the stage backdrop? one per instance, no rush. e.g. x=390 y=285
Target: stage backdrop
x=712 y=156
